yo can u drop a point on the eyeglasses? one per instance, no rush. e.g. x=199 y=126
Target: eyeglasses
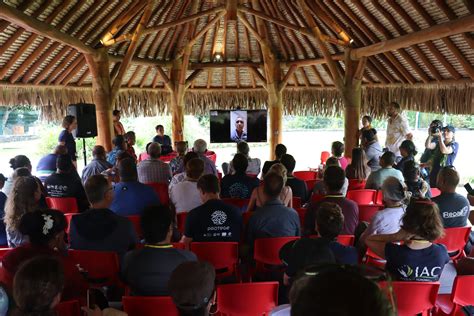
x=239 y=122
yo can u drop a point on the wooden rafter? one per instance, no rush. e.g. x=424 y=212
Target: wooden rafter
x=123 y=19
x=452 y=16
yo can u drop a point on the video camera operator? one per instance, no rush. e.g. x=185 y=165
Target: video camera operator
x=441 y=149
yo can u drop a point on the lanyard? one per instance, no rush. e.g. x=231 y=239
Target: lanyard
x=158 y=246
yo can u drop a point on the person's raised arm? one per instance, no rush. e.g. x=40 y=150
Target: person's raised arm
x=429 y=142
x=377 y=242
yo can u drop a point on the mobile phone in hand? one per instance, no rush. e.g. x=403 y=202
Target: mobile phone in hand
x=469 y=189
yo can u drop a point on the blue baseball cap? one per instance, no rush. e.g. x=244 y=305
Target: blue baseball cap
x=449 y=128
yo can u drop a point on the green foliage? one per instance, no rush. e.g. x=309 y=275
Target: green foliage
x=312 y=122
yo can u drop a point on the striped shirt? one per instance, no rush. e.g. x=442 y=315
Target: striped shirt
x=154 y=170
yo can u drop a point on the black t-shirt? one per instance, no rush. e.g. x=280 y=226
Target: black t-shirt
x=147 y=271
x=454 y=209
x=214 y=221
x=239 y=186
x=67 y=185
x=298 y=187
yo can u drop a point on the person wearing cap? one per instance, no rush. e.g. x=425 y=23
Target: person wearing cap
x=130 y=196
x=66 y=183
x=454 y=208
x=397 y=129
x=99 y=228
x=152 y=169
x=147 y=270
x=200 y=147
x=97 y=165
x=388 y=220
x=47 y=164
x=192 y=288
x=445 y=152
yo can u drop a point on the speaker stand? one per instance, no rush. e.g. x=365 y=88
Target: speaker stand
x=84 y=151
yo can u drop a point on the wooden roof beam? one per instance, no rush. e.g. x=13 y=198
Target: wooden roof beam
x=461 y=25
x=329 y=22
x=192 y=77
x=121 y=21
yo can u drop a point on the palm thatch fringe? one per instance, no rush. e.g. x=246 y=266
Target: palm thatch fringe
x=53 y=100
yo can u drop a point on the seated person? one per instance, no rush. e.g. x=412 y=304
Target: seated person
x=408 y=153
x=162 y=139
x=179 y=177
x=358 y=168
x=177 y=163
x=273 y=219
x=418 y=259
x=152 y=169
x=372 y=148
x=418 y=187
x=200 y=148
x=47 y=164
x=130 y=139
x=213 y=217
x=19 y=161
x=131 y=196
x=253 y=167
x=337 y=151
x=298 y=186
x=99 y=228
x=320 y=187
x=454 y=208
x=280 y=150
x=46 y=231
x=147 y=271
x=334 y=178
x=184 y=195
x=377 y=178
x=66 y=183
x=239 y=185
x=119 y=146
x=192 y=288
x=259 y=198
x=98 y=164
x=388 y=220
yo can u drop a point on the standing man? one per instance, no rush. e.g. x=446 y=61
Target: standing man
x=397 y=129
x=118 y=126
x=238 y=134
x=162 y=139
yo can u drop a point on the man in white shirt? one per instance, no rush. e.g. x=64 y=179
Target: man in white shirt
x=185 y=195
x=397 y=129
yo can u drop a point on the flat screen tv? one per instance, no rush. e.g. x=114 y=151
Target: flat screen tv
x=233 y=126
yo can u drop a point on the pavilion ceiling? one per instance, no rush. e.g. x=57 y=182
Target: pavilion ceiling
x=226 y=60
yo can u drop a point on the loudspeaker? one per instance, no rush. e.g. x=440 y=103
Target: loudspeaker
x=86 y=119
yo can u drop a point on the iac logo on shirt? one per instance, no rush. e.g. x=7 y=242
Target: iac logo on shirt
x=409 y=273
x=218 y=217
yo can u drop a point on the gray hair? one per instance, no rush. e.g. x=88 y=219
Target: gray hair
x=200 y=146
x=154 y=150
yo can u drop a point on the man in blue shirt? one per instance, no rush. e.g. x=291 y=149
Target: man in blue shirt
x=47 y=165
x=163 y=140
x=131 y=196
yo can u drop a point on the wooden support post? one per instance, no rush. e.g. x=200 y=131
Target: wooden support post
x=101 y=90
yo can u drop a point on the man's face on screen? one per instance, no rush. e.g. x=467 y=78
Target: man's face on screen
x=239 y=124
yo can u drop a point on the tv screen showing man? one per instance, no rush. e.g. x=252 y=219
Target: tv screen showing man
x=238 y=130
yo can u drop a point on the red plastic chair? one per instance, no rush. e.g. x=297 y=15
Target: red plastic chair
x=315 y=198
x=301 y=214
x=219 y=176
x=462 y=295
x=296 y=202
x=68 y=308
x=324 y=156
x=455 y=239
x=346 y=240
x=179 y=245
x=245 y=299
x=181 y=220
x=224 y=256
x=135 y=219
x=379 y=197
x=212 y=155
x=305 y=175
x=3 y=251
x=266 y=251
x=413 y=298
x=372 y=259
x=367 y=211
x=149 y=306
x=310 y=184
x=355 y=184
x=362 y=196
x=241 y=204
x=102 y=267
x=63 y=204
x=246 y=217
x=161 y=190
x=435 y=192
x=68 y=220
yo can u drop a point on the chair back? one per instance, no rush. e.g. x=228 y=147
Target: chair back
x=310 y=184
x=69 y=217
x=161 y=190
x=136 y=222
x=305 y=175
x=179 y=245
x=102 y=267
x=266 y=250
x=362 y=196
x=3 y=251
x=212 y=155
x=181 y=220
x=346 y=240
x=315 y=198
x=63 y=204
x=435 y=192
x=68 y=308
x=454 y=240
x=244 y=299
x=241 y=204
x=413 y=298
x=355 y=184
x=463 y=290
x=379 y=197
x=296 y=202
x=149 y=306
x=301 y=214
x=324 y=156
x=224 y=256
x=367 y=211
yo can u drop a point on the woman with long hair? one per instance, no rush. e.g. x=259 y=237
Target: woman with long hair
x=23 y=199
x=358 y=168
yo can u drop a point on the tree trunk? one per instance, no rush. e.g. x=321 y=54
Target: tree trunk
x=352 y=95
x=4 y=120
x=275 y=107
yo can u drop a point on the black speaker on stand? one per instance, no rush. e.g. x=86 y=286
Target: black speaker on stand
x=86 y=123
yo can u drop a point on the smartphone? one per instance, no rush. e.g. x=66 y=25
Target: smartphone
x=469 y=189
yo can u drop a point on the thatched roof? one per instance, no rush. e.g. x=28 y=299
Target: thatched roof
x=436 y=75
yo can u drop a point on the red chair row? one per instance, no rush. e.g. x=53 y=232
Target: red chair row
x=232 y=299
